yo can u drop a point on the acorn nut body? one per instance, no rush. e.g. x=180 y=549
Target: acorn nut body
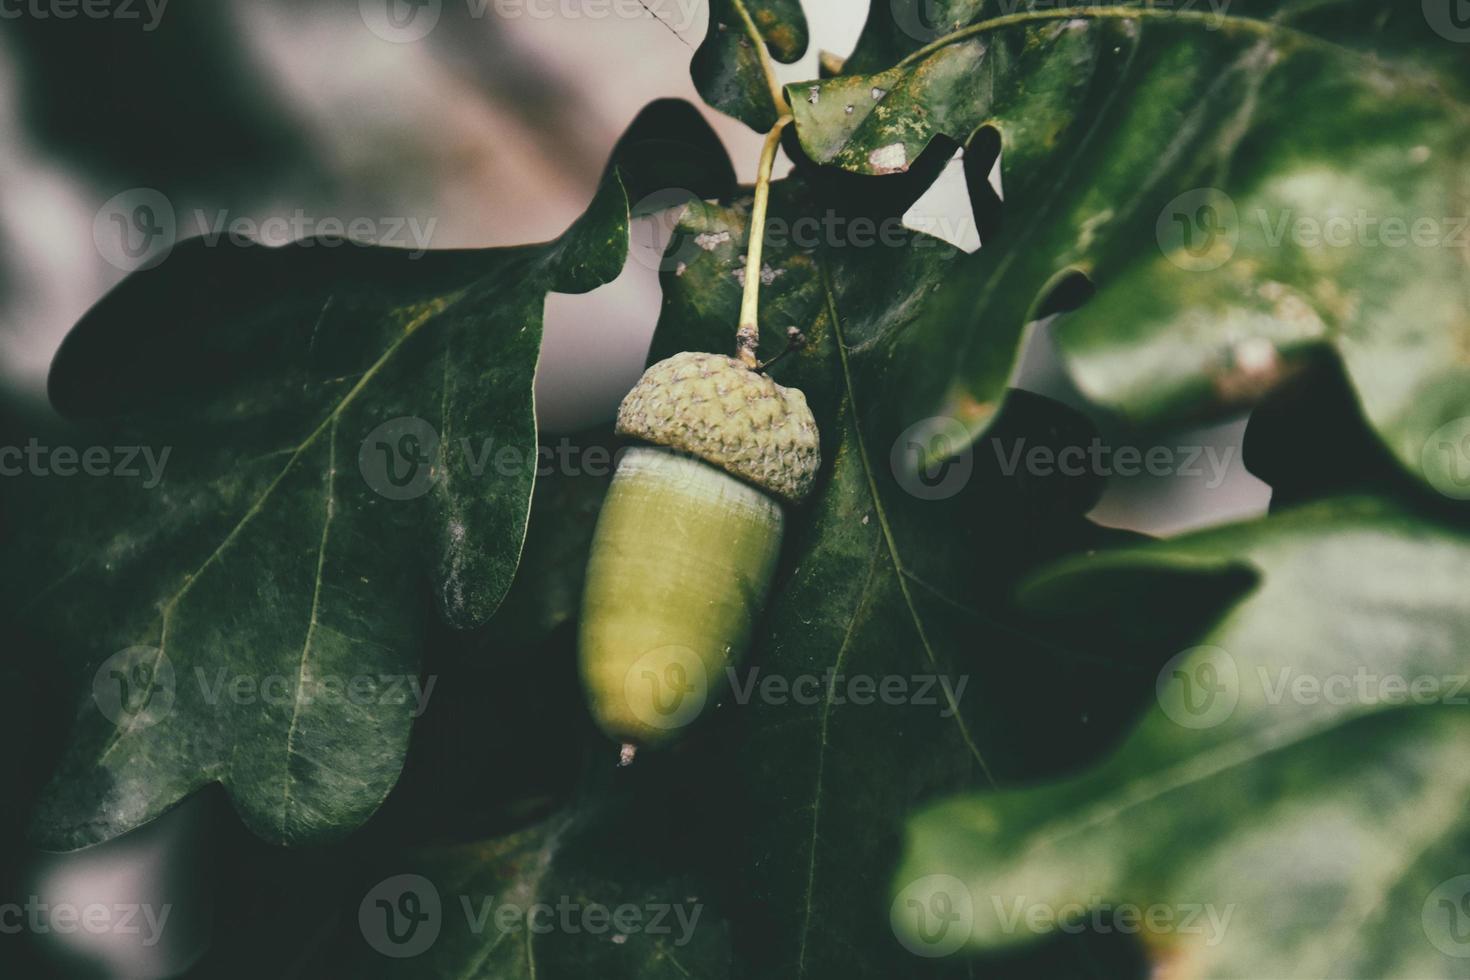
x=688 y=538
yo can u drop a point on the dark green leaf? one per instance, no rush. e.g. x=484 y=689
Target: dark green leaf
x=731 y=68
x=342 y=423
x=1173 y=155
x=893 y=572
x=620 y=884
x=1297 y=791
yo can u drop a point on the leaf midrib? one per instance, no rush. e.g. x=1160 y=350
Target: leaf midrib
x=892 y=546
x=311 y=628
x=827 y=703
x=432 y=309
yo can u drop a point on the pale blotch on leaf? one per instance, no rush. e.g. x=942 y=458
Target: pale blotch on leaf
x=889 y=159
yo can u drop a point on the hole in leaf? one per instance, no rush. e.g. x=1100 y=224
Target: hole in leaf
x=863 y=195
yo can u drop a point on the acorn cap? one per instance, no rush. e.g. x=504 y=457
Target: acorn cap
x=731 y=417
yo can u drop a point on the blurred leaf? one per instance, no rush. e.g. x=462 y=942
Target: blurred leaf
x=1171 y=156
x=1293 y=804
x=284 y=543
x=159 y=95
x=1308 y=439
x=730 y=67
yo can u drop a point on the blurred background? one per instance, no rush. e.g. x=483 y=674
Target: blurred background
x=284 y=116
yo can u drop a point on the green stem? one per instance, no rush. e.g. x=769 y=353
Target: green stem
x=1117 y=12
x=768 y=68
x=748 y=334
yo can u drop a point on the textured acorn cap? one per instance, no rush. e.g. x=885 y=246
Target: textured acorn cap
x=729 y=416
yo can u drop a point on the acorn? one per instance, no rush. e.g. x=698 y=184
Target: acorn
x=687 y=540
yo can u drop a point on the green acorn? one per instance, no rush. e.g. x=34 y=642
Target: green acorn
x=687 y=540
